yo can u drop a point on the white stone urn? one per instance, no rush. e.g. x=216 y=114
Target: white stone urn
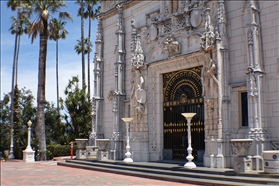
x=81 y=143
x=271 y=161
x=102 y=144
x=241 y=146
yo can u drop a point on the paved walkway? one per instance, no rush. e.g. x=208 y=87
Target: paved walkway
x=16 y=172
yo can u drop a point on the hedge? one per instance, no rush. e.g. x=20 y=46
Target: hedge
x=56 y=150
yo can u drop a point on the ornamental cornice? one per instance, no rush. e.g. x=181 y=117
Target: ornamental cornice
x=113 y=10
x=186 y=59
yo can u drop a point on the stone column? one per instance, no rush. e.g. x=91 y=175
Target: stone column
x=219 y=156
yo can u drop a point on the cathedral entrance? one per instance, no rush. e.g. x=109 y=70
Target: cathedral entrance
x=183 y=93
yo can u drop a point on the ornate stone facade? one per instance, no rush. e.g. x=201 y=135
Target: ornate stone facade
x=153 y=38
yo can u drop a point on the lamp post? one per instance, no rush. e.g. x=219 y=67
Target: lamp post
x=11 y=153
x=128 y=154
x=29 y=123
x=28 y=153
x=189 y=164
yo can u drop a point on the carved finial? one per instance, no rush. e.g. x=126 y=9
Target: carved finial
x=133 y=35
x=99 y=29
x=138 y=57
x=221 y=13
x=120 y=17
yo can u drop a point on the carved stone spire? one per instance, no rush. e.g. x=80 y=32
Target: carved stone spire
x=119 y=91
x=97 y=100
x=133 y=35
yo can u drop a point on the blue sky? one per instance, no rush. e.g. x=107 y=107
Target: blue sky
x=69 y=60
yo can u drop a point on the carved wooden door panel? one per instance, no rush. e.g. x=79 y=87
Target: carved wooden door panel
x=183 y=93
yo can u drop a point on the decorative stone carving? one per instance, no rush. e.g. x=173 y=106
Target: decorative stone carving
x=119 y=24
x=209 y=76
x=196 y=17
x=153 y=32
x=140 y=93
x=133 y=35
x=153 y=138
x=208 y=37
x=221 y=13
x=171 y=46
x=137 y=56
x=241 y=146
x=167 y=11
x=102 y=144
x=115 y=103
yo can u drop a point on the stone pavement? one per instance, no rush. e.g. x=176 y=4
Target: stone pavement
x=16 y=172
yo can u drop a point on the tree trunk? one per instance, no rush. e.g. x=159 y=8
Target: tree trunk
x=40 y=125
x=16 y=66
x=57 y=80
x=11 y=155
x=82 y=43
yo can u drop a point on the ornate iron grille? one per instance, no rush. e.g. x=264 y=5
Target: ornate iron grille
x=182 y=93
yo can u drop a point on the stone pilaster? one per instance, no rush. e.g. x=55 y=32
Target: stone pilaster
x=97 y=100
x=255 y=73
x=214 y=42
x=139 y=127
x=119 y=91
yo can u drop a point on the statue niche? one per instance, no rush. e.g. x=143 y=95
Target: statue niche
x=171 y=46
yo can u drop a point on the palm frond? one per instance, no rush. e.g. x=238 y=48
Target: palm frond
x=65 y=16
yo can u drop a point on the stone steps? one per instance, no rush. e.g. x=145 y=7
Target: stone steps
x=172 y=172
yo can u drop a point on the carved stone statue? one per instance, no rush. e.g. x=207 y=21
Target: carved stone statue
x=208 y=37
x=209 y=76
x=140 y=93
x=172 y=46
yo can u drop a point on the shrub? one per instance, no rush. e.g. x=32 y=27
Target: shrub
x=56 y=150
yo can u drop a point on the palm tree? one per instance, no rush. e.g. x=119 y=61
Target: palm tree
x=87 y=50
x=40 y=26
x=19 y=26
x=57 y=32
x=90 y=14
x=81 y=14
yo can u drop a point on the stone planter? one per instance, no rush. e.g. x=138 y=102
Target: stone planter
x=242 y=163
x=81 y=148
x=81 y=143
x=102 y=154
x=91 y=152
x=102 y=144
x=271 y=161
x=241 y=146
